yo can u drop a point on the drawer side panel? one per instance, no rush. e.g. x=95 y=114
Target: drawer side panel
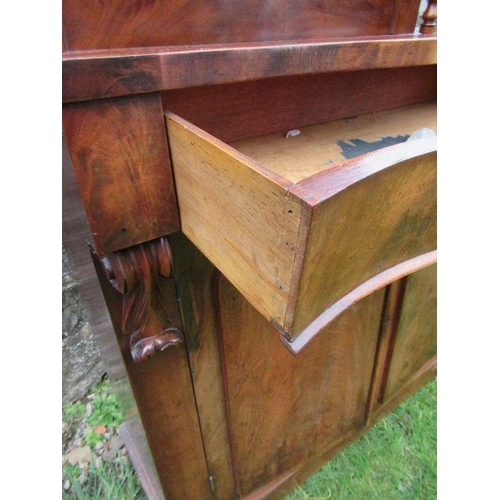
x=241 y=216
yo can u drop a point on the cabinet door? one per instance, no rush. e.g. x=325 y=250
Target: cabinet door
x=407 y=350
x=286 y=411
x=415 y=345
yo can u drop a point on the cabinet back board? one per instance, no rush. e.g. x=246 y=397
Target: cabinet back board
x=113 y=24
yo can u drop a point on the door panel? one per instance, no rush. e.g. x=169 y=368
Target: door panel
x=284 y=410
x=415 y=345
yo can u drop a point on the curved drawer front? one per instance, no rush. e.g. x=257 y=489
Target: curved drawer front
x=373 y=221
x=302 y=252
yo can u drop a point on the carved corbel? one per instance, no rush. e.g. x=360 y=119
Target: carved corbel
x=137 y=273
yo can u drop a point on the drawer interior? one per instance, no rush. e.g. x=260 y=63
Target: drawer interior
x=326 y=145
x=305 y=226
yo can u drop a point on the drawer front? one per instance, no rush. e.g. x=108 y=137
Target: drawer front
x=378 y=228
x=303 y=252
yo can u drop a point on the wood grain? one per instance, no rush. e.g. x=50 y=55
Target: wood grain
x=230 y=412
x=108 y=73
x=97 y=25
x=193 y=275
x=368 y=227
x=238 y=214
x=427 y=374
x=248 y=109
x=166 y=405
x=136 y=273
x=321 y=147
x=268 y=236
x=394 y=296
x=404 y=15
x=282 y=406
x=265 y=383
x=415 y=343
x=75 y=235
x=120 y=157
x=373 y=284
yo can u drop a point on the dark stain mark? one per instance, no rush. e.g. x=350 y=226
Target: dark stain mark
x=357 y=147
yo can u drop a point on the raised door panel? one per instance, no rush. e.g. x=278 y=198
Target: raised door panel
x=415 y=344
x=286 y=410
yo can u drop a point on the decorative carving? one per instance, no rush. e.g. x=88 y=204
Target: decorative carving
x=429 y=24
x=137 y=272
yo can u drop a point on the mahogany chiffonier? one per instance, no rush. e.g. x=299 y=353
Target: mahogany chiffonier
x=250 y=209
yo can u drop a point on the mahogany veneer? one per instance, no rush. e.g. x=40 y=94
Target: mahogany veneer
x=261 y=300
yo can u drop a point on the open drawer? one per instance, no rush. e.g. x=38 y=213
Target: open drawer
x=301 y=225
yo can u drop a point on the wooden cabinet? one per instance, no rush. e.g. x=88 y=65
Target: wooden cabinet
x=262 y=224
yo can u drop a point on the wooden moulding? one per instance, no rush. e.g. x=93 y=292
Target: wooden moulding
x=302 y=252
x=96 y=74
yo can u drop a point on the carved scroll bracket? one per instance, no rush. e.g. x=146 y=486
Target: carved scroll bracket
x=139 y=273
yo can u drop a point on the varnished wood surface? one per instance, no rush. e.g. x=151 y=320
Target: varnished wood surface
x=288 y=414
x=120 y=158
x=269 y=237
x=193 y=275
x=112 y=24
x=231 y=407
x=418 y=379
x=137 y=273
x=165 y=400
x=421 y=378
x=75 y=237
x=238 y=214
x=283 y=407
x=415 y=342
x=366 y=228
x=394 y=296
x=248 y=109
x=108 y=73
x=321 y=147
x=373 y=284
x=429 y=23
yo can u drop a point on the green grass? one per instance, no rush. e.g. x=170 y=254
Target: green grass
x=107 y=482
x=103 y=480
x=396 y=459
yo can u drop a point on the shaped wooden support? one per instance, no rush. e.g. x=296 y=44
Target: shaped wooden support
x=139 y=273
x=429 y=24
